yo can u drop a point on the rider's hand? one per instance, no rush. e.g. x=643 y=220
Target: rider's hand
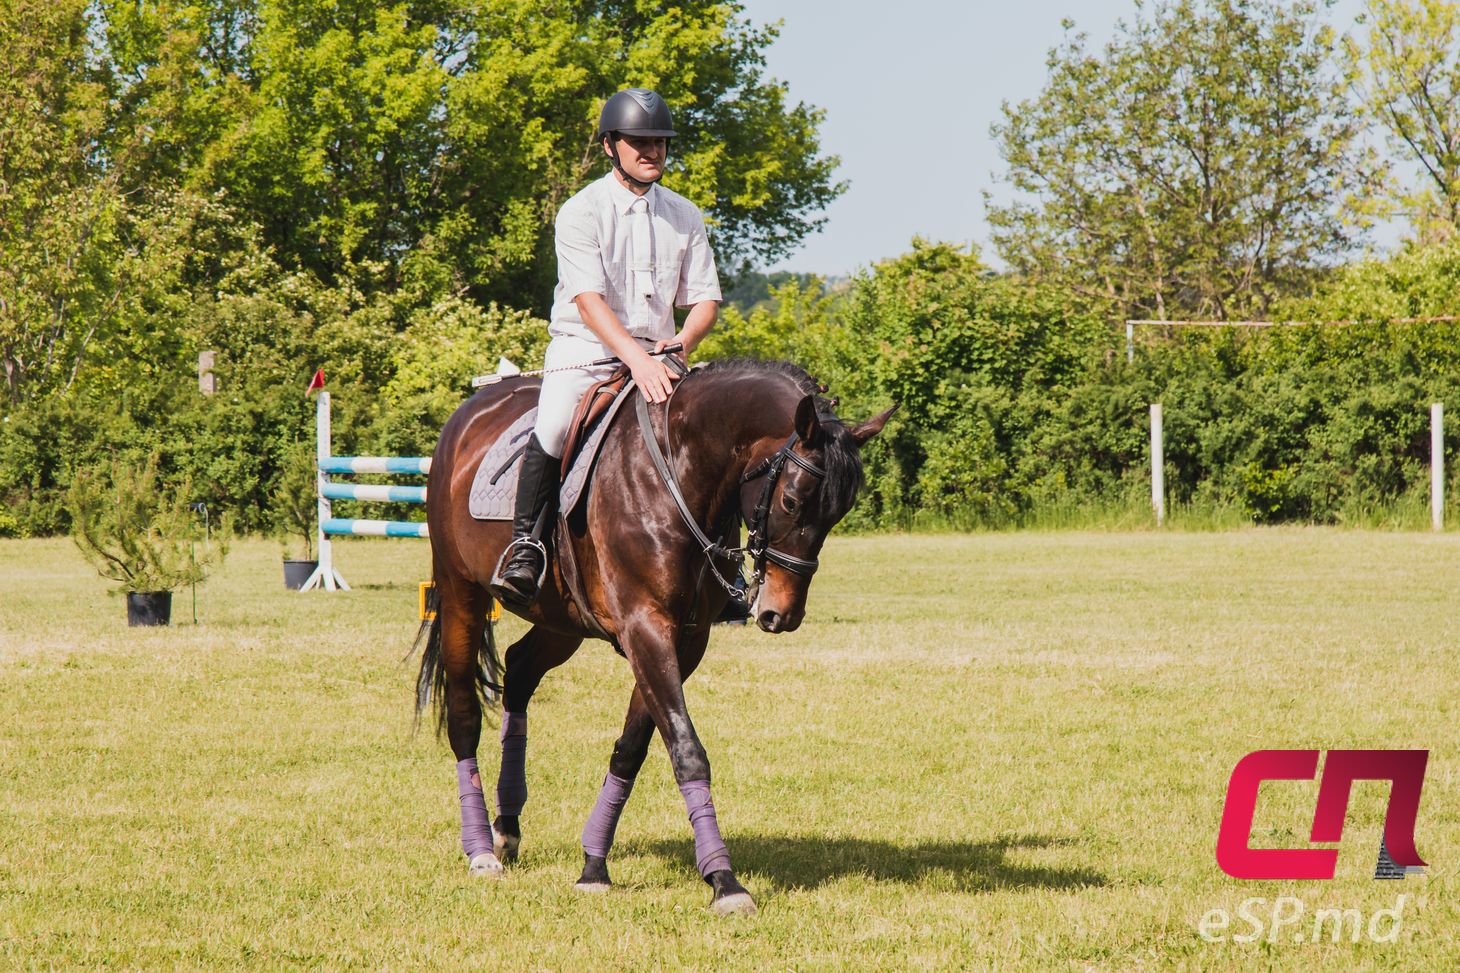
x=681 y=354
x=652 y=377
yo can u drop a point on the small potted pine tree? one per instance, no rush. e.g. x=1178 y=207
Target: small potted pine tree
x=142 y=536
x=296 y=505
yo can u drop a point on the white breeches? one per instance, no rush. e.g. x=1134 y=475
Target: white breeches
x=561 y=391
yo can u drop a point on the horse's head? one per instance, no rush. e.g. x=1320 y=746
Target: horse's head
x=794 y=498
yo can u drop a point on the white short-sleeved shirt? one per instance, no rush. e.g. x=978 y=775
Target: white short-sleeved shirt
x=594 y=256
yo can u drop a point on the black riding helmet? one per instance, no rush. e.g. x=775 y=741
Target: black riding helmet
x=638 y=112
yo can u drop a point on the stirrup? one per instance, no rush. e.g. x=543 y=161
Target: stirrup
x=499 y=584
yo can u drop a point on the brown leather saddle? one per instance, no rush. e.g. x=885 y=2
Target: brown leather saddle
x=595 y=403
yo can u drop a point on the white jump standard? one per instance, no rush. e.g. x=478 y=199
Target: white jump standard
x=326 y=576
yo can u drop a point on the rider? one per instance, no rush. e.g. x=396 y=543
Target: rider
x=629 y=252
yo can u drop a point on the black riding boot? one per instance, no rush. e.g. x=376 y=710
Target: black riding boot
x=537 y=483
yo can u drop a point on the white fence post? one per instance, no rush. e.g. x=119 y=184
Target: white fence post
x=1158 y=465
x=325 y=576
x=1130 y=343
x=1437 y=465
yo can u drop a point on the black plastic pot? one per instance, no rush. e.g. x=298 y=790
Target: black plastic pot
x=297 y=572
x=149 y=607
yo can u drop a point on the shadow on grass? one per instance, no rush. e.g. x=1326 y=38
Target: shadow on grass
x=804 y=862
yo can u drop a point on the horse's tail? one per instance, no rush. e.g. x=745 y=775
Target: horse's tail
x=431 y=680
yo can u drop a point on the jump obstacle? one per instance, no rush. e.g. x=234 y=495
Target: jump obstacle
x=326 y=576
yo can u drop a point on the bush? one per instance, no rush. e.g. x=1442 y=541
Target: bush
x=975 y=362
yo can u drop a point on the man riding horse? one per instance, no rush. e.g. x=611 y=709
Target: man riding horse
x=629 y=251
x=645 y=556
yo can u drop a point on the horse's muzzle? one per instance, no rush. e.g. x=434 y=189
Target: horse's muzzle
x=774 y=621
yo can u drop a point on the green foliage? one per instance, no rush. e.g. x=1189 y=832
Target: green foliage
x=1016 y=410
x=1318 y=423
x=370 y=188
x=1196 y=166
x=1412 y=89
x=139 y=534
x=789 y=324
x=61 y=246
x=427 y=146
x=970 y=357
x=749 y=289
x=434 y=360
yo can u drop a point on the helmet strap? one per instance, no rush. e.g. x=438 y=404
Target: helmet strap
x=619 y=166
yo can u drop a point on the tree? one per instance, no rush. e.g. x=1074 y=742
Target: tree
x=1413 y=90
x=58 y=215
x=426 y=145
x=93 y=272
x=1196 y=166
x=140 y=534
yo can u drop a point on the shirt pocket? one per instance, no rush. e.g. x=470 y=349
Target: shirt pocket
x=669 y=250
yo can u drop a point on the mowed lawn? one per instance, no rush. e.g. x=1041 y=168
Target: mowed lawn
x=991 y=751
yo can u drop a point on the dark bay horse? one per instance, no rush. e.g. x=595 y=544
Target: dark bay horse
x=745 y=440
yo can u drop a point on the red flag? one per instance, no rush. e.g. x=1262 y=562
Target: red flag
x=315 y=383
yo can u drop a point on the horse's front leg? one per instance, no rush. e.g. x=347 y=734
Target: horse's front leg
x=629 y=752
x=649 y=643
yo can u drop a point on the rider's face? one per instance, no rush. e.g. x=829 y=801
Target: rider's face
x=642 y=158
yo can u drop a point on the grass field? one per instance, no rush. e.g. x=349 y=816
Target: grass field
x=993 y=751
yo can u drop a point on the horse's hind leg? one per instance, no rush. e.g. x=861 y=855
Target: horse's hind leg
x=462 y=614
x=528 y=660
x=623 y=768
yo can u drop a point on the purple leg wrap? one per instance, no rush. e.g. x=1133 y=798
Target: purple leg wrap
x=710 y=852
x=512 y=780
x=598 y=832
x=476 y=833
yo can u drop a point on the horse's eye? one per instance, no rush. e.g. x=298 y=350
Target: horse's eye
x=789 y=504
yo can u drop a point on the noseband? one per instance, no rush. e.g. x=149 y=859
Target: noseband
x=757 y=543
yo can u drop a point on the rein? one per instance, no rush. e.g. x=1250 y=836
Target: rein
x=757 y=542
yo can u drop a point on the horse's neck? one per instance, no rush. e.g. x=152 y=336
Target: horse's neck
x=721 y=432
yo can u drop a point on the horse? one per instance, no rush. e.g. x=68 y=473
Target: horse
x=642 y=562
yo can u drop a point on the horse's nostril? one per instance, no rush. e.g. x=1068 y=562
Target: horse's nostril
x=770 y=621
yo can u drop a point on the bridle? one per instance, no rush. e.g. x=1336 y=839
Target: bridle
x=758 y=540
x=757 y=543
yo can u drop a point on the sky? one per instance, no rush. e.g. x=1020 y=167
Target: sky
x=910 y=89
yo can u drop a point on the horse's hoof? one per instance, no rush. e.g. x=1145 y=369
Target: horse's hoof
x=595 y=875
x=484 y=865
x=505 y=846
x=734 y=904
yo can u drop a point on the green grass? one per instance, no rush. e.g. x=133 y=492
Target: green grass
x=991 y=751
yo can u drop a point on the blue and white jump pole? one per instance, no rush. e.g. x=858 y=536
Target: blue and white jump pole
x=326 y=576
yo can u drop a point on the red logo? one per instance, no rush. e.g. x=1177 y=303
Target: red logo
x=1404 y=769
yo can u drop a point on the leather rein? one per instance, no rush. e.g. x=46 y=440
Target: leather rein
x=757 y=543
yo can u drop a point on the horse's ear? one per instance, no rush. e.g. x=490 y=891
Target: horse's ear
x=864 y=431
x=808 y=424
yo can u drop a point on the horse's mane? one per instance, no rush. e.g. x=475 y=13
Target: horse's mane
x=840 y=457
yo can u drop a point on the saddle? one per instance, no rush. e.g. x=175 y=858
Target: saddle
x=494 y=487
x=591 y=407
